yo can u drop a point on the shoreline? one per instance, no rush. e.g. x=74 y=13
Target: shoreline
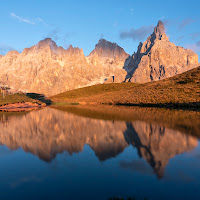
x=18 y=107
x=28 y=106
x=193 y=106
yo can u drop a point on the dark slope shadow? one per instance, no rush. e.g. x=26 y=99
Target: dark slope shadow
x=40 y=97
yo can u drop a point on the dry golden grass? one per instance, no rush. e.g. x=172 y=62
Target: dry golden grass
x=180 y=89
x=16 y=98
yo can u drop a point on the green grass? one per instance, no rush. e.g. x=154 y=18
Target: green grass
x=180 y=90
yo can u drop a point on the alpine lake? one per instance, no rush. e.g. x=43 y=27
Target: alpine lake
x=100 y=152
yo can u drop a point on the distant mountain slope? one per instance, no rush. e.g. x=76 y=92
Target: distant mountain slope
x=48 y=69
x=182 y=88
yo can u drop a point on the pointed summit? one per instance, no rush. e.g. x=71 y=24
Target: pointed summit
x=159 y=32
x=159 y=28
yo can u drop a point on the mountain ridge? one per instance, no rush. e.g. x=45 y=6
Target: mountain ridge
x=49 y=69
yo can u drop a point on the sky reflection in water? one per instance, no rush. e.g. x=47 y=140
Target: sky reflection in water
x=54 y=154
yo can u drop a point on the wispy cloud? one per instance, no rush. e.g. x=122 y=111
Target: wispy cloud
x=137 y=166
x=198 y=43
x=115 y=24
x=38 y=20
x=132 y=11
x=195 y=36
x=163 y=17
x=195 y=47
x=58 y=35
x=137 y=34
x=54 y=34
x=4 y=48
x=21 y=19
x=185 y=23
x=25 y=180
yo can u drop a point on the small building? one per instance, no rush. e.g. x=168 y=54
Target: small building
x=4 y=89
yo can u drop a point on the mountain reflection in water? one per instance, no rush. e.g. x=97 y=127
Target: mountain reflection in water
x=48 y=132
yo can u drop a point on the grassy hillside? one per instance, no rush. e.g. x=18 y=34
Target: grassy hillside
x=181 y=89
x=16 y=98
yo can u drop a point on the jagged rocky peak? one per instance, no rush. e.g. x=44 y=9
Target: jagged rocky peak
x=159 y=28
x=48 y=42
x=158 y=34
x=158 y=58
x=105 y=48
x=74 y=50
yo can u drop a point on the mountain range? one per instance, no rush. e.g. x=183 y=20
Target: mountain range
x=48 y=69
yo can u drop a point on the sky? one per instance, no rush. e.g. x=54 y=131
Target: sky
x=83 y=22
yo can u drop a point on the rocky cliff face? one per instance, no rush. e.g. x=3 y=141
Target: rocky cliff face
x=157 y=58
x=110 y=57
x=106 y=49
x=48 y=69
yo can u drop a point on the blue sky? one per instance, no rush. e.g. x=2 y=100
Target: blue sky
x=83 y=22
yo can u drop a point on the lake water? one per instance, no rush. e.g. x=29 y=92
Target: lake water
x=100 y=153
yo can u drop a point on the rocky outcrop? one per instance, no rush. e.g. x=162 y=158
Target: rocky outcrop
x=110 y=57
x=48 y=69
x=106 y=49
x=157 y=58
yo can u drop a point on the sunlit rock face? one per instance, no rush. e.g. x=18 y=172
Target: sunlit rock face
x=106 y=49
x=48 y=132
x=48 y=69
x=110 y=57
x=157 y=58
